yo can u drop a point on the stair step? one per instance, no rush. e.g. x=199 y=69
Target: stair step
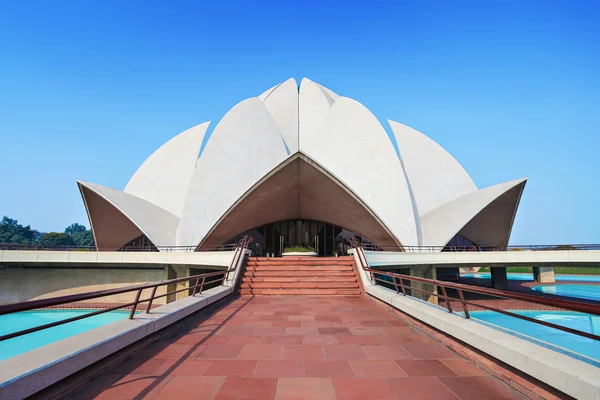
x=297 y=268
x=349 y=278
x=297 y=273
x=300 y=292
x=300 y=285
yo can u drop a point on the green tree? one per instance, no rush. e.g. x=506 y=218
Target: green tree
x=81 y=236
x=13 y=232
x=56 y=239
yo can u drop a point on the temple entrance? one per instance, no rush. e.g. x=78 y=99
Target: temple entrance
x=323 y=238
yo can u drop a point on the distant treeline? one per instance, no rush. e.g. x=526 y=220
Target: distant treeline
x=11 y=232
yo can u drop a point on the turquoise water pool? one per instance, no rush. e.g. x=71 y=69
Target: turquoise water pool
x=28 y=319
x=529 y=277
x=583 y=322
x=588 y=292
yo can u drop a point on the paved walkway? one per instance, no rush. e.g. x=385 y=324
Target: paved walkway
x=296 y=348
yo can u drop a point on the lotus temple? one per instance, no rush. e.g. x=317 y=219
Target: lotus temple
x=300 y=165
x=196 y=288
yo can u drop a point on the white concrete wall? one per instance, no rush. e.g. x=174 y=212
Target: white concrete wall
x=504 y=258
x=116 y=258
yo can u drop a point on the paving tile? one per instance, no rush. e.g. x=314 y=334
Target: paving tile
x=284 y=339
x=246 y=340
x=301 y=318
x=139 y=366
x=229 y=351
x=386 y=352
x=396 y=322
x=186 y=367
x=166 y=351
x=305 y=389
x=270 y=331
x=109 y=387
x=344 y=352
x=369 y=331
x=333 y=331
x=463 y=367
x=301 y=331
x=421 y=388
x=303 y=353
x=247 y=389
x=191 y=387
x=261 y=352
x=374 y=323
x=216 y=339
x=424 y=368
x=287 y=324
x=376 y=369
x=361 y=339
x=339 y=369
x=393 y=330
x=320 y=340
x=429 y=350
x=362 y=388
x=330 y=318
x=231 y=368
x=479 y=387
x=279 y=368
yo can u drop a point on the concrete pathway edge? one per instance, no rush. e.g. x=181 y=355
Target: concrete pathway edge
x=567 y=374
x=30 y=372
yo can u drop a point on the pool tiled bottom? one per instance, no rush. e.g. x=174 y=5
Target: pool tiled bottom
x=296 y=348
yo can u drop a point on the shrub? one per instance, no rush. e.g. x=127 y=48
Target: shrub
x=298 y=249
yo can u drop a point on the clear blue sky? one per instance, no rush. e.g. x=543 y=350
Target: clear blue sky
x=89 y=89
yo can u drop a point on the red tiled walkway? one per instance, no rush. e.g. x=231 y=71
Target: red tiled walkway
x=296 y=348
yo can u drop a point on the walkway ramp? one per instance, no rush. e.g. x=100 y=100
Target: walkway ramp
x=300 y=276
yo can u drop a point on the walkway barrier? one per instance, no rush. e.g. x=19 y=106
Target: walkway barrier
x=200 y=281
x=433 y=249
x=35 y=247
x=402 y=284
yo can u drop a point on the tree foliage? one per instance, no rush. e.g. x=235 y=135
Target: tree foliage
x=14 y=233
x=56 y=239
x=11 y=232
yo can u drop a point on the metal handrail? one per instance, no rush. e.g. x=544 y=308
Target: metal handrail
x=398 y=281
x=41 y=247
x=197 y=288
x=534 y=247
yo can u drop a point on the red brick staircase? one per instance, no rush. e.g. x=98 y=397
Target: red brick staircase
x=299 y=276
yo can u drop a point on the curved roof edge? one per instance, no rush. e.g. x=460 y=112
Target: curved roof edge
x=159 y=225
x=499 y=202
x=282 y=103
x=164 y=177
x=435 y=176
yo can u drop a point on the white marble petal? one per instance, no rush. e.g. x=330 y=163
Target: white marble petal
x=440 y=225
x=164 y=177
x=245 y=146
x=159 y=225
x=434 y=175
x=282 y=103
x=346 y=139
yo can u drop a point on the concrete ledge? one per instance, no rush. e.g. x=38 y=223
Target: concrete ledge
x=567 y=374
x=30 y=372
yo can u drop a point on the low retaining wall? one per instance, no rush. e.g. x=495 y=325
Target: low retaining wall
x=569 y=375
x=28 y=373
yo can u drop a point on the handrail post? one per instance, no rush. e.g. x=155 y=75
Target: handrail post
x=462 y=300
x=151 y=299
x=395 y=284
x=402 y=286
x=202 y=285
x=135 y=303
x=195 y=287
x=446 y=298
